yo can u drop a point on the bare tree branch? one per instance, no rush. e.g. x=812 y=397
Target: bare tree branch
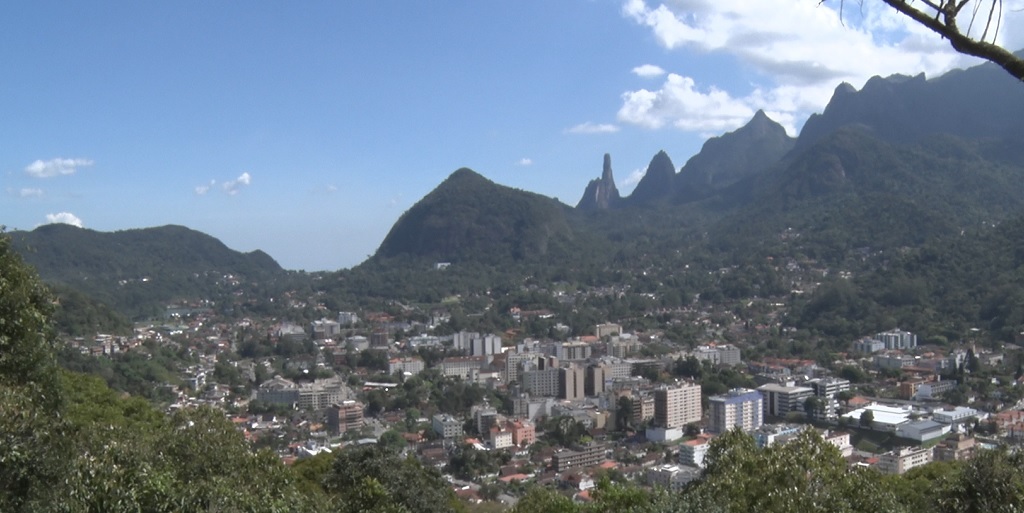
x=944 y=23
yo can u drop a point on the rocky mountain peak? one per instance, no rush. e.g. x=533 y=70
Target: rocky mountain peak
x=601 y=194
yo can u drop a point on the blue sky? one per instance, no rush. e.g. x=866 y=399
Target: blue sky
x=305 y=129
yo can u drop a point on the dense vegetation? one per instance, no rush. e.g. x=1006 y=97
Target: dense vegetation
x=138 y=272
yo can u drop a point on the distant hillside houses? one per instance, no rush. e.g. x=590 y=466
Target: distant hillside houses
x=887 y=340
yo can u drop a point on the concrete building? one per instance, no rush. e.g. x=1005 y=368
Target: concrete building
x=309 y=396
x=325 y=328
x=922 y=430
x=739 y=408
x=621 y=346
x=486 y=418
x=344 y=416
x=884 y=418
x=278 y=391
x=524 y=433
x=954 y=415
x=675 y=407
x=607 y=330
x=781 y=400
x=827 y=388
x=894 y=361
x=573 y=351
x=724 y=354
x=692 y=452
x=901 y=460
x=446 y=425
x=587 y=456
x=593 y=384
x=955 y=447
x=571 y=383
x=348 y=318
x=409 y=365
x=671 y=477
x=896 y=339
x=868 y=345
x=475 y=344
x=643 y=409
x=499 y=438
x=514 y=361
x=461 y=366
x=543 y=383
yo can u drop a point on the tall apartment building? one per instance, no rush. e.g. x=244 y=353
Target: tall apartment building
x=476 y=344
x=621 y=346
x=896 y=339
x=827 y=388
x=348 y=318
x=485 y=419
x=739 y=408
x=781 y=400
x=571 y=383
x=675 y=407
x=572 y=351
x=593 y=384
x=643 y=409
x=543 y=383
x=514 y=361
x=344 y=416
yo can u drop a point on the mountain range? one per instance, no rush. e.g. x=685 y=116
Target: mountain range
x=903 y=161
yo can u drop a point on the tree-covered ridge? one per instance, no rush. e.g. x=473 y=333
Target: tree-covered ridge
x=470 y=218
x=945 y=288
x=137 y=272
x=853 y=190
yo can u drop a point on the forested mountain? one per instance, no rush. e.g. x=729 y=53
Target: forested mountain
x=470 y=218
x=902 y=163
x=138 y=271
x=727 y=159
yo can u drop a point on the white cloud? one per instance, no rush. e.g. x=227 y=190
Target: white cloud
x=55 y=167
x=232 y=187
x=633 y=178
x=332 y=188
x=201 y=190
x=592 y=128
x=64 y=218
x=525 y=161
x=26 y=192
x=648 y=71
x=799 y=51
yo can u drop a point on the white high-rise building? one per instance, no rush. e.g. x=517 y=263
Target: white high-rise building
x=739 y=408
x=675 y=407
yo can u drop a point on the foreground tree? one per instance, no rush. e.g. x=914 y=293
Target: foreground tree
x=984 y=17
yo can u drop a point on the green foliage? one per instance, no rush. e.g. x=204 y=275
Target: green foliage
x=138 y=272
x=371 y=478
x=26 y=338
